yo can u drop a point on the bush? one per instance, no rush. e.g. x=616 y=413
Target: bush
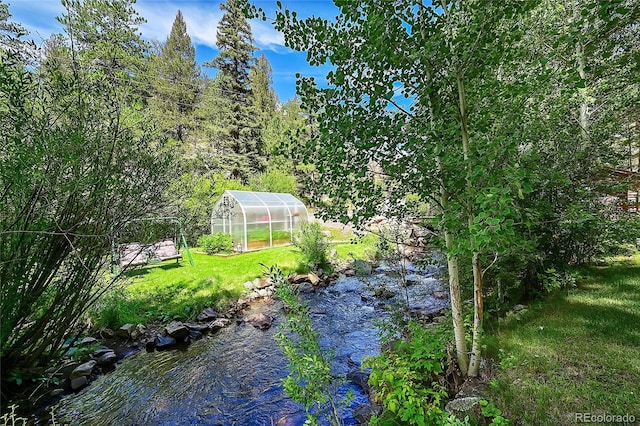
x=313 y=244
x=409 y=379
x=216 y=243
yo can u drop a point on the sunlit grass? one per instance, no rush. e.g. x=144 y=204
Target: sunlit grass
x=575 y=354
x=172 y=290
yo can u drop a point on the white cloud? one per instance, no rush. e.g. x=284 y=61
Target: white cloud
x=202 y=20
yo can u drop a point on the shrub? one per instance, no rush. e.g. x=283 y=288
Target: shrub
x=409 y=379
x=313 y=244
x=216 y=243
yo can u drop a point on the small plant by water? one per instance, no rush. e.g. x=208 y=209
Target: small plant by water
x=310 y=381
x=313 y=244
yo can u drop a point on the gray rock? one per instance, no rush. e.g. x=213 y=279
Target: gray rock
x=363 y=413
x=263 y=292
x=101 y=351
x=306 y=287
x=463 y=407
x=260 y=321
x=79 y=382
x=207 y=315
x=361 y=379
x=86 y=341
x=202 y=328
x=177 y=330
x=56 y=392
x=248 y=285
x=125 y=331
x=83 y=370
x=440 y=295
x=349 y=272
x=164 y=342
x=219 y=323
x=108 y=358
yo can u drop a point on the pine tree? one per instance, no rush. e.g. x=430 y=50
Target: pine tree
x=243 y=143
x=176 y=80
x=265 y=99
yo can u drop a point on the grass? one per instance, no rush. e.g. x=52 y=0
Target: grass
x=171 y=290
x=578 y=353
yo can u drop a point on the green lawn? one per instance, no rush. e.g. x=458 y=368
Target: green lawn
x=574 y=354
x=169 y=290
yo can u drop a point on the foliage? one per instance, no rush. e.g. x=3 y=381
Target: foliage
x=192 y=197
x=406 y=111
x=275 y=179
x=313 y=244
x=216 y=243
x=79 y=160
x=309 y=381
x=240 y=139
x=175 y=80
x=408 y=378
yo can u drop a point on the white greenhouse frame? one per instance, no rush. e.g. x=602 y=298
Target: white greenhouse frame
x=258 y=220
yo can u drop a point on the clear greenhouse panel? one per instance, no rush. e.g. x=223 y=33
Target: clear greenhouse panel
x=258 y=220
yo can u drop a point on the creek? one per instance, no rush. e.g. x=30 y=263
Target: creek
x=234 y=376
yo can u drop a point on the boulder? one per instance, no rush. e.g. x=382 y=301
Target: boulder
x=140 y=330
x=248 y=285
x=177 y=330
x=305 y=287
x=299 y=278
x=361 y=379
x=349 y=272
x=264 y=292
x=101 y=351
x=86 y=341
x=440 y=295
x=363 y=413
x=260 y=321
x=164 y=342
x=83 y=370
x=219 y=323
x=125 y=331
x=202 y=328
x=79 y=382
x=108 y=358
x=207 y=315
x=313 y=278
x=463 y=407
x=260 y=283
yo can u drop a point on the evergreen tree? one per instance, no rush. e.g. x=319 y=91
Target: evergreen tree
x=265 y=99
x=176 y=80
x=242 y=143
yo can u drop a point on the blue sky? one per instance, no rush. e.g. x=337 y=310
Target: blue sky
x=202 y=17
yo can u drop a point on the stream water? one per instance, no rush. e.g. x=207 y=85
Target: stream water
x=233 y=377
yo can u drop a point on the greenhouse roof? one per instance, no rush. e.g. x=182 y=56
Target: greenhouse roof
x=253 y=198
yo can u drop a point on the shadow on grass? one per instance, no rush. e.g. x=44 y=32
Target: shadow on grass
x=142 y=271
x=610 y=322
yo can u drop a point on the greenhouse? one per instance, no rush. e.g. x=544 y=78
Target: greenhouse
x=258 y=220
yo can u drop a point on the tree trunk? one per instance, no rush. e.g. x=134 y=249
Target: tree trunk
x=478 y=301
x=454 y=294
